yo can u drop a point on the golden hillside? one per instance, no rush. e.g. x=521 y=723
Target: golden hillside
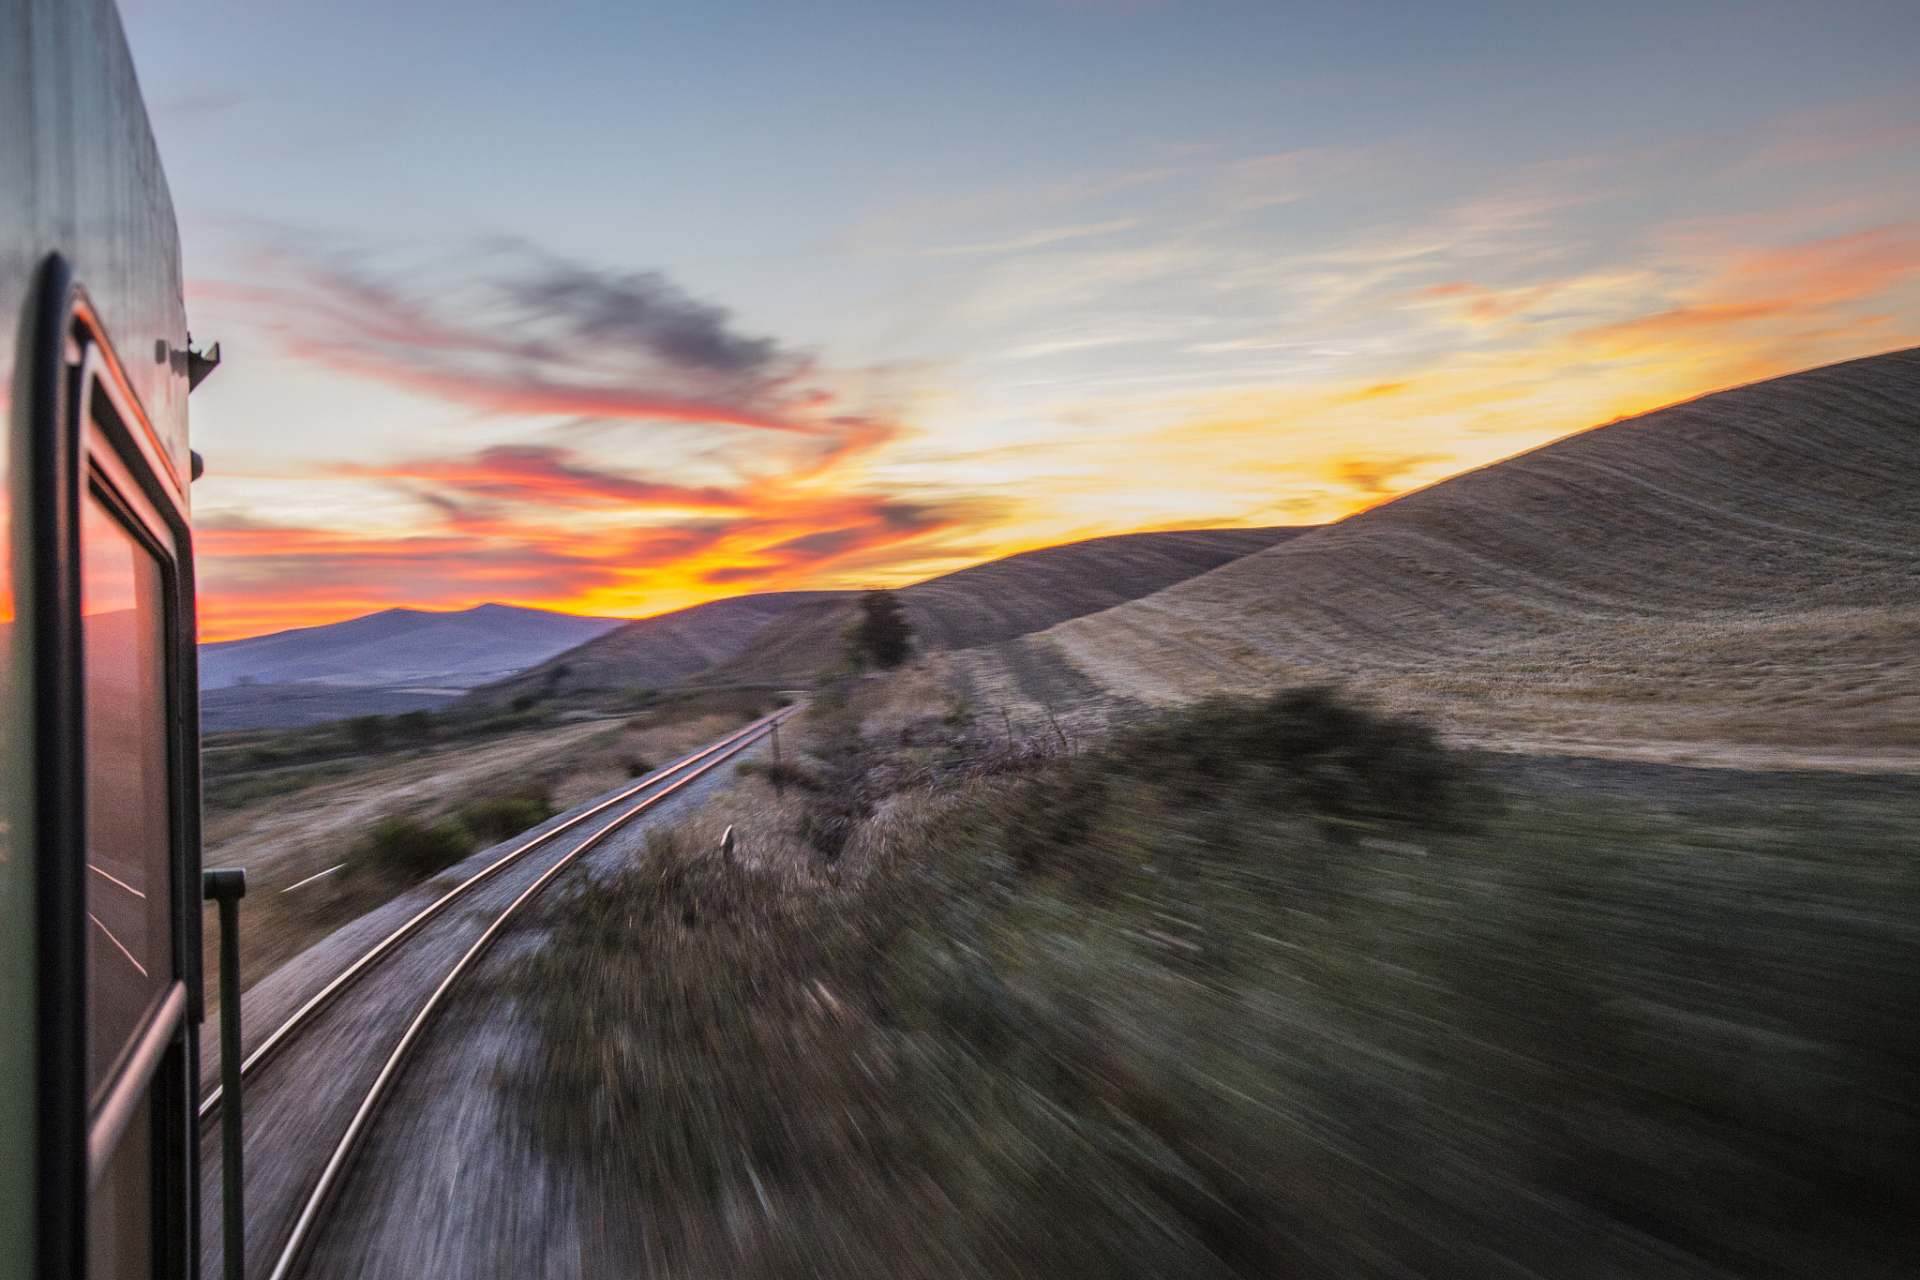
x=649 y=653
x=998 y=600
x=1735 y=578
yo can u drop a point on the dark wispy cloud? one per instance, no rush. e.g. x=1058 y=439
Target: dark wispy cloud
x=544 y=476
x=645 y=311
x=515 y=331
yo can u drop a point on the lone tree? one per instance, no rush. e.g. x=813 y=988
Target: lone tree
x=883 y=635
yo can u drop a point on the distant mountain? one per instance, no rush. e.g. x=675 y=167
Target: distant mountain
x=656 y=652
x=398 y=647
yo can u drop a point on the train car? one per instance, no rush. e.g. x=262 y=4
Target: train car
x=100 y=987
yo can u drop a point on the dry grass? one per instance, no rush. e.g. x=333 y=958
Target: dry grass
x=1074 y=1021
x=996 y=601
x=1741 y=569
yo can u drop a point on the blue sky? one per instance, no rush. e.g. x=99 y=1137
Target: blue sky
x=1017 y=271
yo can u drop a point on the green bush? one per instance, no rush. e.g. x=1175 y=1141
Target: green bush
x=1299 y=755
x=1301 y=750
x=504 y=817
x=408 y=850
x=416 y=725
x=367 y=732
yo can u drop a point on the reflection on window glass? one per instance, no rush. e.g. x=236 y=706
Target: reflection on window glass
x=120 y=1210
x=10 y=904
x=129 y=957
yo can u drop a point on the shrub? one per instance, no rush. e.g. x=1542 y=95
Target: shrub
x=1300 y=754
x=500 y=818
x=639 y=766
x=405 y=849
x=840 y=796
x=415 y=725
x=782 y=774
x=367 y=732
x=1302 y=750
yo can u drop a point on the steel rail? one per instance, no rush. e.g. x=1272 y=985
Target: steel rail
x=362 y=1118
x=359 y=968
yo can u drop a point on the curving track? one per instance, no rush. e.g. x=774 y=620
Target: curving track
x=315 y=1082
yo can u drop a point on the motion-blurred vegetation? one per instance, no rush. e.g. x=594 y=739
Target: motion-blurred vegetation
x=242 y=766
x=1258 y=989
x=295 y=806
x=404 y=851
x=497 y=818
x=401 y=850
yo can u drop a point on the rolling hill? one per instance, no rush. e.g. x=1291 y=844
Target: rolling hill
x=1732 y=579
x=401 y=647
x=1001 y=599
x=655 y=652
x=790 y=636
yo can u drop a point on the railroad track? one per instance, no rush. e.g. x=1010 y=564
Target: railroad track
x=349 y=1020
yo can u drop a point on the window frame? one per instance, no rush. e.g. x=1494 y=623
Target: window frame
x=87 y=434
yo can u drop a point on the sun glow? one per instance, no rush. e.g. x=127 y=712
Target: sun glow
x=608 y=444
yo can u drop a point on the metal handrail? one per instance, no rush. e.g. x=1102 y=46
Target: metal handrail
x=226 y=887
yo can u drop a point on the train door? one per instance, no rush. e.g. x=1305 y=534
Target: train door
x=119 y=903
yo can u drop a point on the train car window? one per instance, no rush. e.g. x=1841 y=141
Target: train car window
x=129 y=890
x=120 y=1233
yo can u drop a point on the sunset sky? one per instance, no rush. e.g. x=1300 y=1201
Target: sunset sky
x=618 y=307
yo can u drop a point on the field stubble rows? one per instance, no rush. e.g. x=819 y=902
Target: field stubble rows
x=1741 y=571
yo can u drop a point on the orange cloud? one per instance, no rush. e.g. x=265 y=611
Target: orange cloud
x=1767 y=303
x=1720 y=315
x=539 y=526
x=1375 y=476
x=1485 y=306
x=529 y=336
